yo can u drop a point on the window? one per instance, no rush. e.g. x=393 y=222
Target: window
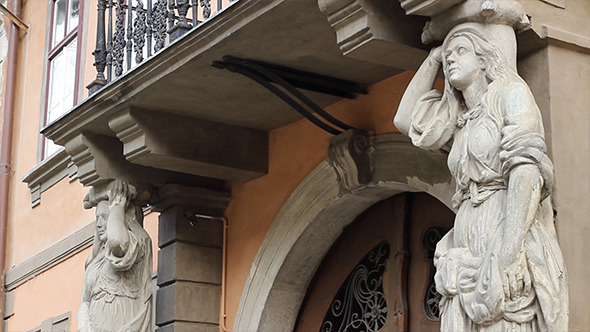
x=60 y=323
x=63 y=63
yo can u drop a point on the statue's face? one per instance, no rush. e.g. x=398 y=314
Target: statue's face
x=102 y=214
x=462 y=65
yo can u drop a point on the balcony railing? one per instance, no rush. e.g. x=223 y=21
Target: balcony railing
x=130 y=31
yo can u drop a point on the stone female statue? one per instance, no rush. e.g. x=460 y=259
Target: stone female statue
x=500 y=268
x=116 y=295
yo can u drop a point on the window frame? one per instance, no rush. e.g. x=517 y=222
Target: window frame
x=53 y=52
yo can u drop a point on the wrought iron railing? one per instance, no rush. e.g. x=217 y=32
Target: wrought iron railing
x=130 y=31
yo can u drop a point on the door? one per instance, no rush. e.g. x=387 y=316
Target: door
x=378 y=275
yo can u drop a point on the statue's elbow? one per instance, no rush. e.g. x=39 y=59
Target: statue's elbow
x=401 y=124
x=118 y=248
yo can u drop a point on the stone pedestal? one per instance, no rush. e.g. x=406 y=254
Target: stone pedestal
x=190 y=259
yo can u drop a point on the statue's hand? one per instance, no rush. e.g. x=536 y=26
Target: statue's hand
x=436 y=55
x=119 y=193
x=517 y=279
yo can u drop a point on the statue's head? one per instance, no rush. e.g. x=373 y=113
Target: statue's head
x=102 y=215
x=467 y=53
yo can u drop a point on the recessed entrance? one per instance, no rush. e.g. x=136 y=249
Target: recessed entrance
x=378 y=274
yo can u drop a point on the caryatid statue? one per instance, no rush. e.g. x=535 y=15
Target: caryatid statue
x=500 y=268
x=117 y=292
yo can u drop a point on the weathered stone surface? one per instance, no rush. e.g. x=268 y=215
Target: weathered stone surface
x=188 y=145
x=117 y=292
x=502 y=260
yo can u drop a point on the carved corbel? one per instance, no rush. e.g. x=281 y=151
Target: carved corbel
x=375 y=31
x=88 y=152
x=350 y=155
x=191 y=146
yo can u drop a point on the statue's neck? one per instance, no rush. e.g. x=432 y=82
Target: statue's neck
x=473 y=92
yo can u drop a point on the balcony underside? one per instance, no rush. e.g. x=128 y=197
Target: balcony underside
x=180 y=89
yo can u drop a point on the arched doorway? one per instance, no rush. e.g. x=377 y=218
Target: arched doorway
x=378 y=274
x=359 y=172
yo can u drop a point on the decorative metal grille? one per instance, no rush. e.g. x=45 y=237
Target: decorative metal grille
x=141 y=27
x=360 y=305
x=431 y=237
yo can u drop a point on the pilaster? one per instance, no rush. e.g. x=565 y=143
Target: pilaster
x=190 y=258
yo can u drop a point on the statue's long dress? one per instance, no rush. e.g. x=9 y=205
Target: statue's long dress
x=488 y=141
x=120 y=288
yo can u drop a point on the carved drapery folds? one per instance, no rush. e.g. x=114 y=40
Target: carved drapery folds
x=119 y=269
x=501 y=262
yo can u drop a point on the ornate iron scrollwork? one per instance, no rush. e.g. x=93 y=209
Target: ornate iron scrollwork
x=431 y=237
x=139 y=31
x=206 y=5
x=159 y=16
x=360 y=304
x=118 y=46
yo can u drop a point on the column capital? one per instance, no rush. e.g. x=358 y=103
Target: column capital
x=200 y=200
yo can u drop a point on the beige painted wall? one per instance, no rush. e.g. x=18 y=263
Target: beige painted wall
x=573 y=18
x=569 y=85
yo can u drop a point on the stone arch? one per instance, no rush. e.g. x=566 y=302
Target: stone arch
x=359 y=172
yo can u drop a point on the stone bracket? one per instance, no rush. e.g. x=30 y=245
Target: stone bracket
x=362 y=161
x=376 y=31
x=188 y=145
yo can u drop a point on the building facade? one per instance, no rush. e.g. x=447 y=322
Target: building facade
x=259 y=205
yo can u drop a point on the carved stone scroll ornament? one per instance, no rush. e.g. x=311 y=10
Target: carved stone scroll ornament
x=500 y=268
x=116 y=295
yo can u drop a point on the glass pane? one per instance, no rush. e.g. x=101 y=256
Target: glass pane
x=56 y=84
x=62 y=82
x=50 y=147
x=74 y=15
x=59 y=21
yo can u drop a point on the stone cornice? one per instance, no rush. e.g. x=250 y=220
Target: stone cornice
x=49 y=257
x=47 y=173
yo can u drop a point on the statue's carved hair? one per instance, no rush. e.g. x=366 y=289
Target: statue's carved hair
x=496 y=67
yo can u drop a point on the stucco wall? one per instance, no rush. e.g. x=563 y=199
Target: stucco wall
x=295 y=150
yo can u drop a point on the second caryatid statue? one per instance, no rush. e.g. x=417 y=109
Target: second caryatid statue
x=117 y=292
x=500 y=268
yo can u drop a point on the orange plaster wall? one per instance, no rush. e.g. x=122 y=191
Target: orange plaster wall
x=61 y=289
x=31 y=230
x=295 y=150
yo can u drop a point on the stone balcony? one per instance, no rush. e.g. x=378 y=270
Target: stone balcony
x=175 y=116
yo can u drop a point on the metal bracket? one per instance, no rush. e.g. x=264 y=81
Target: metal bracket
x=290 y=79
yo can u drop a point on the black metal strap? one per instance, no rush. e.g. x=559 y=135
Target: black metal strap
x=265 y=75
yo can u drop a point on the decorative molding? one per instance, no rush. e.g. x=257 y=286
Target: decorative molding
x=349 y=154
x=361 y=160
x=427 y=7
x=565 y=38
x=556 y=3
x=49 y=257
x=190 y=145
x=375 y=30
x=80 y=150
x=47 y=173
